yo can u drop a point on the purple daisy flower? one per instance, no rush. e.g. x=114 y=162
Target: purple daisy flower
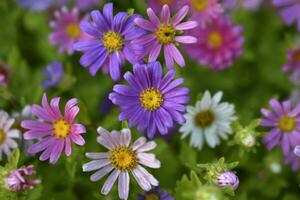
x=289 y=11
x=293 y=160
x=53 y=130
x=293 y=65
x=155 y=193
x=285 y=125
x=66 y=30
x=151 y=101
x=54 y=73
x=165 y=33
x=4 y=75
x=18 y=179
x=219 y=44
x=111 y=42
x=121 y=159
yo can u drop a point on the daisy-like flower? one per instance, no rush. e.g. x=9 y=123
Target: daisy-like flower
x=3 y=75
x=165 y=33
x=151 y=101
x=289 y=11
x=54 y=73
x=284 y=124
x=203 y=11
x=156 y=5
x=7 y=135
x=18 y=179
x=121 y=159
x=66 y=30
x=53 y=130
x=293 y=65
x=111 y=42
x=218 y=44
x=246 y=4
x=208 y=120
x=155 y=194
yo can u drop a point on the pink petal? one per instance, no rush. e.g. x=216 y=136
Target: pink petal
x=144 y=24
x=165 y=14
x=55 y=154
x=177 y=55
x=180 y=15
x=186 y=39
x=68 y=147
x=186 y=25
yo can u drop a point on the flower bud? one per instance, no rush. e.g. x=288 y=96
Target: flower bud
x=228 y=178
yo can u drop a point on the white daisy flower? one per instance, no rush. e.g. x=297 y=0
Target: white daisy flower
x=121 y=159
x=7 y=143
x=208 y=120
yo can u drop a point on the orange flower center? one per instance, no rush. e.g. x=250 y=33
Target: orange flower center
x=2 y=136
x=215 y=40
x=73 y=30
x=61 y=128
x=287 y=123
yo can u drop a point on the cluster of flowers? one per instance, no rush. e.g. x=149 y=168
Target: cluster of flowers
x=151 y=101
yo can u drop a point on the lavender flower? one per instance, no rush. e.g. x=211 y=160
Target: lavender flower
x=18 y=179
x=111 y=42
x=3 y=75
x=165 y=33
x=151 y=101
x=40 y=5
x=228 y=178
x=54 y=73
x=86 y=4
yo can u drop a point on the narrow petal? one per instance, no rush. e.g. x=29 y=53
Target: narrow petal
x=123 y=185
x=110 y=182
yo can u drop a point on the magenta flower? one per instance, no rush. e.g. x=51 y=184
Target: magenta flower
x=4 y=75
x=151 y=101
x=157 y=5
x=289 y=11
x=66 y=30
x=18 y=179
x=203 y=11
x=121 y=159
x=218 y=44
x=293 y=65
x=165 y=33
x=111 y=42
x=53 y=130
x=285 y=125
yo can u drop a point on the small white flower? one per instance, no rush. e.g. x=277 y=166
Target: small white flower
x=6 y=134
x=121 y=159
x=249 y=141
x=208 y=120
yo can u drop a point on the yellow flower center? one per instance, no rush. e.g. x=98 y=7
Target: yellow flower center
x=165 y=34
x=2 y=136
x=73 y=30
x=199 y=5
x=215 y=40
x=163 y=2
x=113 y=41
x=123 y=158
x=151 y=197
x=151 y=99
x=286 y=123
x=61 y=128
x=204 y=119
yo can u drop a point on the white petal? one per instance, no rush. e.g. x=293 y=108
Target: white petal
x=94 y=165
x=8 y=124
x=94 y=155
x=138 y=143
x=141 y=179
x=153 y=181
x=110 y=182
x=211 y=137
x=11 y=143
x=206 y=101
x=100 y=173
x=149 y=160
x=125 y=137
x=14 y=133
x=217 y=97
x=123 y=185
x=147 y=146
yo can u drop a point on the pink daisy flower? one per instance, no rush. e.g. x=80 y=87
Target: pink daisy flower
x=66 y=30
x=293 y=65
x=122 y=158
x=156 y=5
x=218 y=44
x=203 y=11
x=166 y=33
x=53 y=130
